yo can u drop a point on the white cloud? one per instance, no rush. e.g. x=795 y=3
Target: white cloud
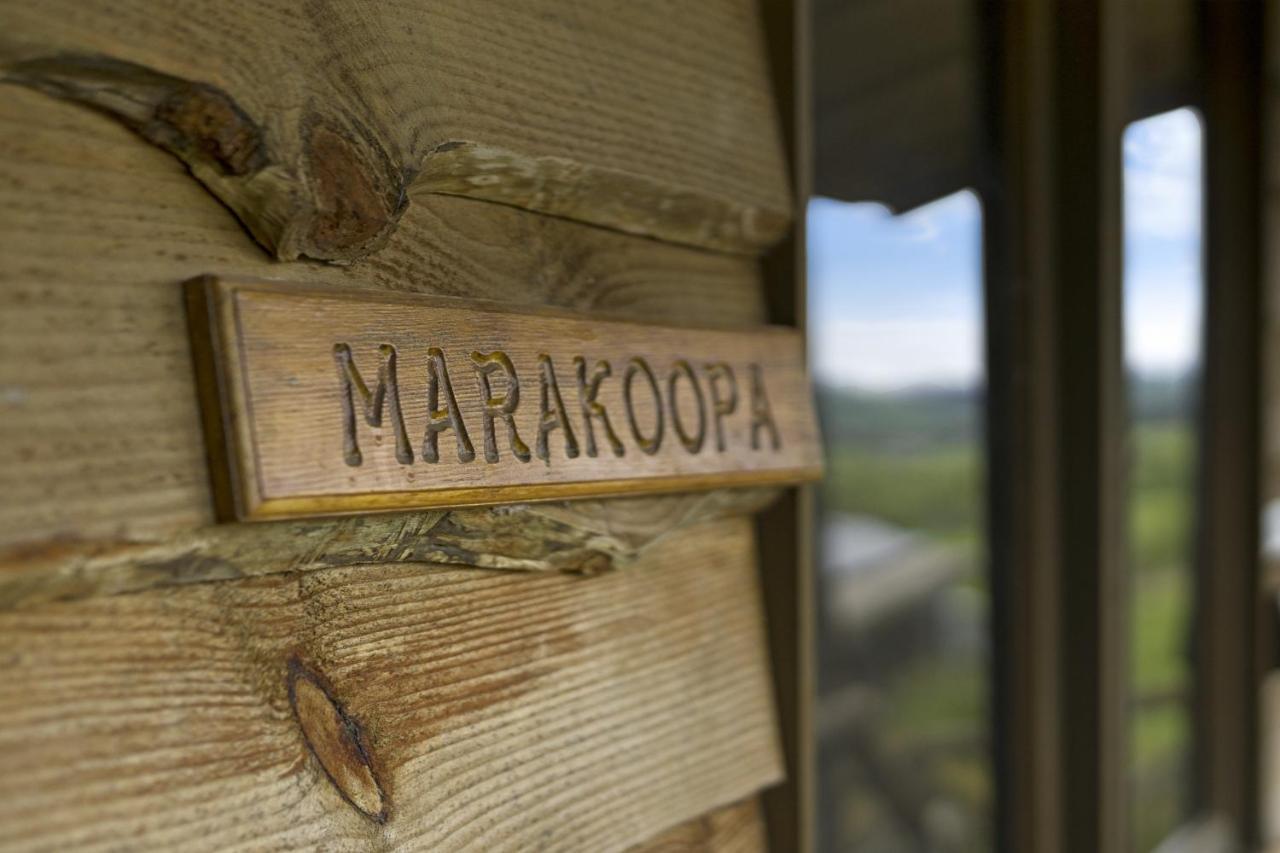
x=1169 y=142
x=921 y=228
x=1162 y=320
x=1162 y=206
x=1162 y=177
x=926 y=224
x=1163 y=242
x=918 y=322
x=886 y=355
x=895 y=301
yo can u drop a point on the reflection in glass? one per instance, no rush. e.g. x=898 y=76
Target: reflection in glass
x=895 y=320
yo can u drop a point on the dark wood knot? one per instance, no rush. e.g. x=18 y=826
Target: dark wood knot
x=337 y=741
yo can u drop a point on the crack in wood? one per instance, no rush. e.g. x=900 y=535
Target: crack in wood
x=587 y=537
x=335 y=197
x=329 y=188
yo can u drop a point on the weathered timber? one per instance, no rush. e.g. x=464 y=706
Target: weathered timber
x=321 y=401
x=170 y=683
x=585 y=537
x=738 y=828
x=316 y=123
x=388 y=707
x=100 y=437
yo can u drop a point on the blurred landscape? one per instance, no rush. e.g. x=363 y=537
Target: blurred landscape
x=902 y=715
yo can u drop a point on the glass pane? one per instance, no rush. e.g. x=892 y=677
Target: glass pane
x=1163 y=286
x=895 y=320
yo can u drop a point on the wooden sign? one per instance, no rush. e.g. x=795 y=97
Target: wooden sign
x=321 y=401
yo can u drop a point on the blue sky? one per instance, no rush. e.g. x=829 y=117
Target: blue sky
x=895 y=302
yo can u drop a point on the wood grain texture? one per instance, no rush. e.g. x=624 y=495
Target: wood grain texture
x=322 y=401
x=585 y=537
x=99 y=423
x=478 y=710
x=316 y=123
x=738 y=828
x=170 y=683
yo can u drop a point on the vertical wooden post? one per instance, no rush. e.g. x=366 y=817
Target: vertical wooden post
x=1228 y=601
x=1021 y=429
x=784 y=531
x=1056 y=104
x=1090 y=91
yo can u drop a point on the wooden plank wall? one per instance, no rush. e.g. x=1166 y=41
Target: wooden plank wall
x=314 y=126
x=99 y=229
x=733 y=829
x=491 y=710
x=566 y=676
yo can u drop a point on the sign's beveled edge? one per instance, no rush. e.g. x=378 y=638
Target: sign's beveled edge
x=369 y=502
x=350 y=293
x=212 y=393
x=233 y=455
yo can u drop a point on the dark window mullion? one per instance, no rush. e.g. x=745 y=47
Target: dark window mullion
x=1057 y=423
x=1226 y=641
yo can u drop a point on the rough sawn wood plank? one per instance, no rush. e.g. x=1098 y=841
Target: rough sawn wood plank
x=738 y=828
x=317 y=123
x=443 y=709
x=100 y=434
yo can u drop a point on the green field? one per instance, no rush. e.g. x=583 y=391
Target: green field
x=915 y=461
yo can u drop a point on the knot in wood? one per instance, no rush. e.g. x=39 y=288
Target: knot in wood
x=356 y=201
x=206 y=119
x=337 y=741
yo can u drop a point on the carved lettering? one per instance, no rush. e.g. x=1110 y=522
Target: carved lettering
x=443 y=402
x=388 y=391
x=692 y=443
x=499 y=407
x=650 y=444
x=761 y=415
x=551 y=412
x=588 y=390
x=449 y=417
x=444 y=413
x=721 y=405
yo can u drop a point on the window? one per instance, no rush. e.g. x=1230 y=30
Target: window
x=1163 y=288
x=895 y=321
